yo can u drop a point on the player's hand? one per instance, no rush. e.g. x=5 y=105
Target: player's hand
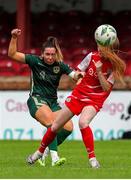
x=98 y=65
x=79 y=75
x=15 y=33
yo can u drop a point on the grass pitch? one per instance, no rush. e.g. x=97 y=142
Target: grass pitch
x=114 y=157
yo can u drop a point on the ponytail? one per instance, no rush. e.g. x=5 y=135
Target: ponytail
x=110 y=53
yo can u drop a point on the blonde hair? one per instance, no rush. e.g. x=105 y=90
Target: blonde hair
x=110 y=53
x=53 y=42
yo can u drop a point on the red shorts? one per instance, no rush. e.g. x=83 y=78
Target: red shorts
x=76 y=105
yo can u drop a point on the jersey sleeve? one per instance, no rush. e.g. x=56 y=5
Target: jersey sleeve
x=111 y=79
x=66 y=69
x=85 y=62
x=30 y=59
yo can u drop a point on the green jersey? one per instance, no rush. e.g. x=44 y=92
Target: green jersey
x=45 y=78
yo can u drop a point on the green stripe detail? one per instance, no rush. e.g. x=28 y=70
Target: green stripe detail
x=37 y=103
x=104 y=30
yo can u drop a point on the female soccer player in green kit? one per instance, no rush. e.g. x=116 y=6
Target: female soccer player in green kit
x=47 y=70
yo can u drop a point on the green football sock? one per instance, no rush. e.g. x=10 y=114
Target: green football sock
x=62 y=135
x=53 y=145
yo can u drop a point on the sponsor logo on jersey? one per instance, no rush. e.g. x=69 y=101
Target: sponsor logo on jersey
x=42 y=74
x=56 y=69
x=92 y=72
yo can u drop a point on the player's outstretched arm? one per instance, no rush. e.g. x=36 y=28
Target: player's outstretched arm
x=104 y=83
x=12 y=51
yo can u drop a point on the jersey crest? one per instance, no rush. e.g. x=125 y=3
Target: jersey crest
x=56 y=69
x=68 y=99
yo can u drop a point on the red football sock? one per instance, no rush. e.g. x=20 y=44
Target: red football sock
x=47 y=139
x=88 y=140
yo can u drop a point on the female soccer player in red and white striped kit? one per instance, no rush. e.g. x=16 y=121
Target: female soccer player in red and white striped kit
x=101 y=69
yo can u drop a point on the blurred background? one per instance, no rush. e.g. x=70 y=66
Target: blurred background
x=73 y=22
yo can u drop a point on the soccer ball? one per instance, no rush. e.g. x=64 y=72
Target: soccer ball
x=105 y=35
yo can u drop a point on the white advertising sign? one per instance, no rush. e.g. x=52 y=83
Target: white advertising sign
x=16 y=122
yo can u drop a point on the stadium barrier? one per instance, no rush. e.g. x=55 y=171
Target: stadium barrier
x=17 y=124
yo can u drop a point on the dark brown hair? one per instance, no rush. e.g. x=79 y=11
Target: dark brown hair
x=53 y=42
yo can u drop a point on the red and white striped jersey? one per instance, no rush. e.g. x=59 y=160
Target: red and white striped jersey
x=90 y=88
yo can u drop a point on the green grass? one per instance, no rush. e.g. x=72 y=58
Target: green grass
x=114 y=157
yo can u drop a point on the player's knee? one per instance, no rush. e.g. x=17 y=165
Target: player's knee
x=54 y=128
x=83 y=124
x=69 y=126
x=48 y=124
x=48 y=121
x=45 y=122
